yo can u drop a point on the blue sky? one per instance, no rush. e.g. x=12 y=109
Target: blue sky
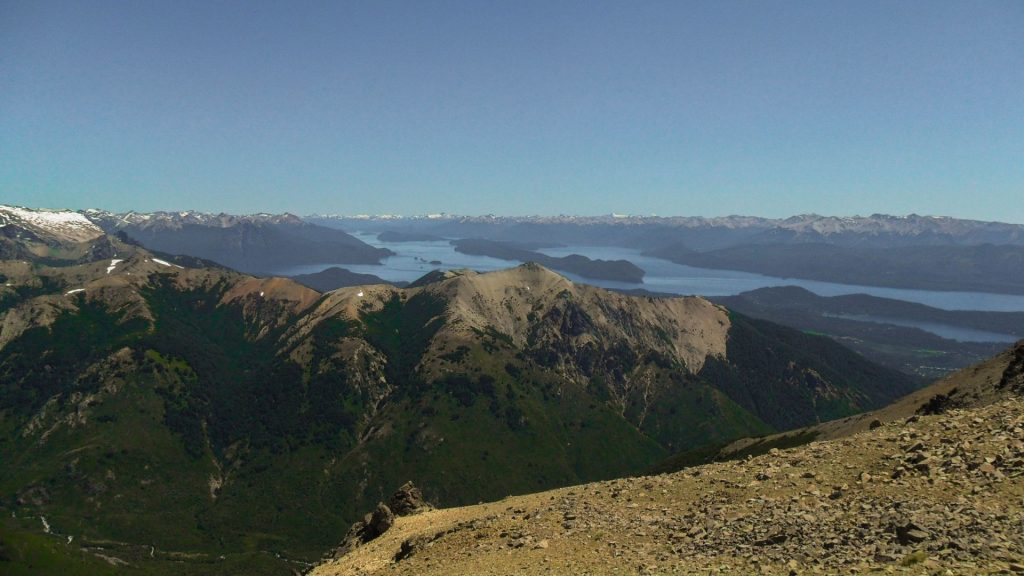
x=708 y=108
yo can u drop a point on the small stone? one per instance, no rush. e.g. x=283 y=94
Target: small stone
x=910 y=533
x=915 y=557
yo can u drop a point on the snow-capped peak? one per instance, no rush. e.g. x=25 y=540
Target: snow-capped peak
x=64 y=225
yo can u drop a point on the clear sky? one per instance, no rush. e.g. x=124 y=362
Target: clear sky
x=759 y=107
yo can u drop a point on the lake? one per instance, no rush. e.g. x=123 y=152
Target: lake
x=958 y=333
x=412 y=260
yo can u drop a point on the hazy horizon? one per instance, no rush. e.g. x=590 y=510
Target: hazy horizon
x=622 y=215
x=439 y=215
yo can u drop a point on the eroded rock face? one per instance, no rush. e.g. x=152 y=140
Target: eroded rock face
x=406 y=501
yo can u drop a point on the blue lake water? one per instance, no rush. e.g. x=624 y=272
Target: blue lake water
x=412 y=260
x=958 y=333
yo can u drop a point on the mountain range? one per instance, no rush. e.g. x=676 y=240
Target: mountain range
x=182 y=417
x=699 y=233
x=258 y=243
x=970 y=268
x=916 y=252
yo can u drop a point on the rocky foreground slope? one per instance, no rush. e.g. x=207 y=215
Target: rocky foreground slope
x=927 y=494
x=972 y=387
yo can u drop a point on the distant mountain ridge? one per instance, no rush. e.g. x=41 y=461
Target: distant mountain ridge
x=874 y=230
x=255 y=243
x=913 y=252
x=50 y=236
x=893 y=333
x=171 y=219
x=966 y=268
x=61 y=226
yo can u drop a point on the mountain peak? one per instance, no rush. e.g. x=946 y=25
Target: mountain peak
x=56 y=225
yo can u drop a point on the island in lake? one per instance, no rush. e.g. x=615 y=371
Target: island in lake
x=334 y=277
x=614 y=270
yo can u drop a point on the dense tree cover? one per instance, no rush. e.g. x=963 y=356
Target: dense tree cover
x=791 y=379
x=47 y=362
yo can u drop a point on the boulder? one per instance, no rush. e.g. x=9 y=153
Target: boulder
x=408 y=500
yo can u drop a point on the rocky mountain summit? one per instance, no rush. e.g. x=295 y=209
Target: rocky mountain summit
x=941 y=493
x=54 y=225
x=52 y=236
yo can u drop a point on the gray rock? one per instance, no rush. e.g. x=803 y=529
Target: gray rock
x=408 y=500
x=381 y=519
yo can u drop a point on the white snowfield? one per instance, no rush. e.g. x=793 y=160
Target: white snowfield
x=75 y=291
x=63 y=224
x=113 y=264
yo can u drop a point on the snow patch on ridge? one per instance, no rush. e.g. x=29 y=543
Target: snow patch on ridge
x=165 y=263
x=64 y=224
